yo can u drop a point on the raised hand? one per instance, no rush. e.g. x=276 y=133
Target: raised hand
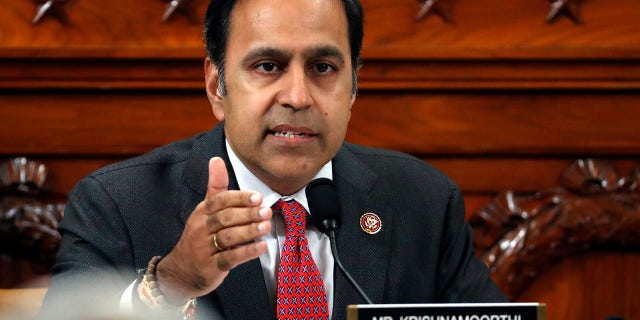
x=219 y=235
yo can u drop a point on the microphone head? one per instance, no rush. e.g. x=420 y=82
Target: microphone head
x=324 y=205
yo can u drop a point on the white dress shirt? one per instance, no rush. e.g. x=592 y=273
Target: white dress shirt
x=319 y=244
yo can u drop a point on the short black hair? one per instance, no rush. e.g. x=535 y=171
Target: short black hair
x=216 y=33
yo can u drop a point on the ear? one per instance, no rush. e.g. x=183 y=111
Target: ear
x=353 y=100
x=212 y=84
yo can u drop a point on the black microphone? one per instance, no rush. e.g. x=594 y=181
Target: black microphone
x=326 y=215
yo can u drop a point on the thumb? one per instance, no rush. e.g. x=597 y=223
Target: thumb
x=218 y=177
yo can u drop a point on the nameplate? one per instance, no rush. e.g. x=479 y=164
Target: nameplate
x=448 y=311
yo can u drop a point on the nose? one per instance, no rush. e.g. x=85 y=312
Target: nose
x=295 y=93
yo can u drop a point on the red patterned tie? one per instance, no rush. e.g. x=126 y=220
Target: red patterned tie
x=301 y=293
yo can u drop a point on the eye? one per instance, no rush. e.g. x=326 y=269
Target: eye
x=324 y=68
x=267 y=67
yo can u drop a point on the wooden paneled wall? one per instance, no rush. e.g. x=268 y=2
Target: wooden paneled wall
x=498 y=98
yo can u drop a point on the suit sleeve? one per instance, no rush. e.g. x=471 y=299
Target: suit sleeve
x=464 y=277
x=88 y=278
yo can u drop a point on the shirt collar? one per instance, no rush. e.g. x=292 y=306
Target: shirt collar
x=248 y=181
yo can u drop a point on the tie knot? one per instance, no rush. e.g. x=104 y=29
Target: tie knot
x=295 y=216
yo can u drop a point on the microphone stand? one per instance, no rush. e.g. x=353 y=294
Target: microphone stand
x=323 y=200
x=334 y=251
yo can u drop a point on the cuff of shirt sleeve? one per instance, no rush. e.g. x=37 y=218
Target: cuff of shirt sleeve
x=126 y=300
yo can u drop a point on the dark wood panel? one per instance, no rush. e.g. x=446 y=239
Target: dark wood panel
x=516 y=123
x=481 y=29
x=591 y=286
x=490 y=175
x=429 y=123
x=539 y=73
x=473 y=202
x=117 y=27
x=510 y=29
x=24 y=71
x=24 y=273
x=123 y=44
x=72 y=73
x=105 y=123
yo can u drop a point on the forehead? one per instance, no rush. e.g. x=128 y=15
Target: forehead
x=288 y=24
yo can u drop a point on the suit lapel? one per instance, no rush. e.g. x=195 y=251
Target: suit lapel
x=364 y=255
x=243 y=293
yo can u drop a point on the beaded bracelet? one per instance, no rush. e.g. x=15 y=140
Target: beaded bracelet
x=150 y=294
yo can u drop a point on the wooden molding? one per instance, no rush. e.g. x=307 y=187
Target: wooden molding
x=519 y=236
x=181 y=73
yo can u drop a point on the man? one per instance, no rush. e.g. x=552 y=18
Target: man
x=196 y=215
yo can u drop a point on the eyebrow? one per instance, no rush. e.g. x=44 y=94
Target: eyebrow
x=325 y=51
x=264 y=52
x=315 y=52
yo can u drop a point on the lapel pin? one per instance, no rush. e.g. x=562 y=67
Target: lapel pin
x=370 y=223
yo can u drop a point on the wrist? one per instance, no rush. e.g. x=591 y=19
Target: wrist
x=152 y=295
x=170 y=284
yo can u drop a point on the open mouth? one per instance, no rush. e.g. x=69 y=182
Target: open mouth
x=286 y=131
x=289 y=134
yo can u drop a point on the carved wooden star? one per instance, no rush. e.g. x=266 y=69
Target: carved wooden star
x=569 y=8
x=435 y=7
x=184 y=7
x=54 y=8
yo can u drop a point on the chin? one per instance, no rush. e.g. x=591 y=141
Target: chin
x=290 y=178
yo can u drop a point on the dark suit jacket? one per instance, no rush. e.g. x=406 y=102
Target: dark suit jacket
x=120 y=216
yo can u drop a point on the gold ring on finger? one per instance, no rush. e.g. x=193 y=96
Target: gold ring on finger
x=214 y=241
